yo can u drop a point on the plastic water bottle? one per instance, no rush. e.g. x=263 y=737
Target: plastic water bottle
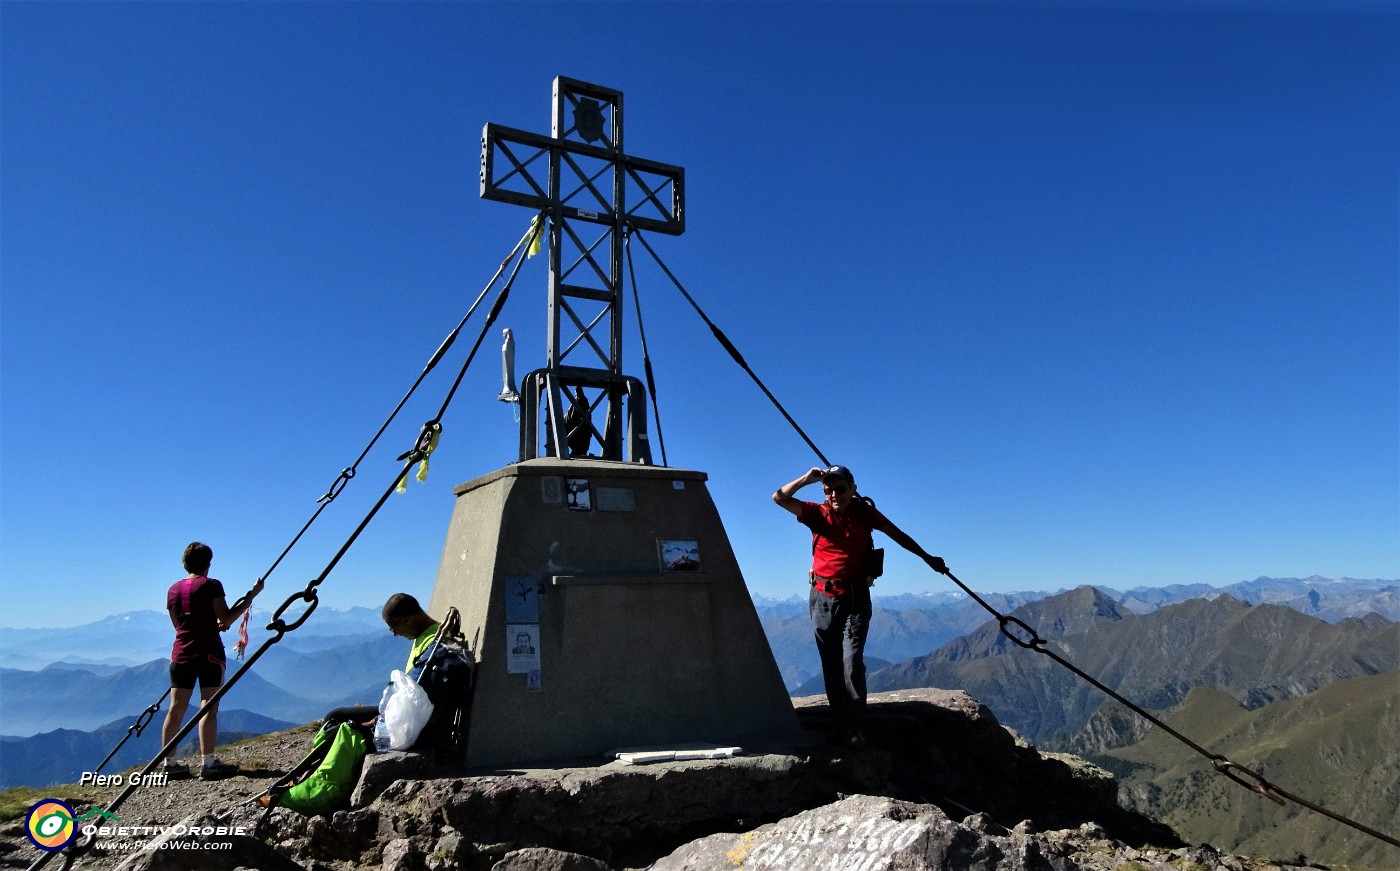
x=381 y=736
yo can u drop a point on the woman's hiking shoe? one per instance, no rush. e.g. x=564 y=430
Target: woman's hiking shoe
x=217 y=770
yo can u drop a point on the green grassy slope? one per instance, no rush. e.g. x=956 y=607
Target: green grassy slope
x=1338 y=747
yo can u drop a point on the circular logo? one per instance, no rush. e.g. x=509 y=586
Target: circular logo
x=50 y=824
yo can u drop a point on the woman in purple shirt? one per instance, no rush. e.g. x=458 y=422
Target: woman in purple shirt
x=199 y=613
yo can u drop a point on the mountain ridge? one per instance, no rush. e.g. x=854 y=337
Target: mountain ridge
x=84 y=701
x=1257 y=653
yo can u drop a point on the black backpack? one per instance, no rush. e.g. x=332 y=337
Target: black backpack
x=447 y=673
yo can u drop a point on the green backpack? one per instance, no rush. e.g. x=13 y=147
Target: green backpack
x=328 y=787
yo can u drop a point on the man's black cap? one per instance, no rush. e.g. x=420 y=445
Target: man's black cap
x=839 y=472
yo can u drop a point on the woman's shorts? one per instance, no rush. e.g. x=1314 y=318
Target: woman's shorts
x=209 y=674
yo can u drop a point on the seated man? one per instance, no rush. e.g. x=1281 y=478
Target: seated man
x=407 y=619
x=444 y=672
x=439 y=662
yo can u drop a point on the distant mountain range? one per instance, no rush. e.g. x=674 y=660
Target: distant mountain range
x=1324 y=598
x=1255 y=653
x=285 y=684
x=904 y=626
x=102 y=675
x=141 y=636
x=66 y=697
x=61 y=756
x=911 y=625
x=72 y=716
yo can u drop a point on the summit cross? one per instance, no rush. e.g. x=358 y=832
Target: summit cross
x=592 y=192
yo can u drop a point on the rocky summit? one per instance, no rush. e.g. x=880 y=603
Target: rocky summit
x=939 y=784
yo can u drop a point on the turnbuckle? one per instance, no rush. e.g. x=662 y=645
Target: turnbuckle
x=281 y=628
x=1243 y=776
x=337 y=485
x=1035 y=642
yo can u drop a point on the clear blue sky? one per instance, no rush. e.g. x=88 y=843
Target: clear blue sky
x=1083 y=295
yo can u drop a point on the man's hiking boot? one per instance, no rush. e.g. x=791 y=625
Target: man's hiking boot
x=217 y=770
x=175 y=770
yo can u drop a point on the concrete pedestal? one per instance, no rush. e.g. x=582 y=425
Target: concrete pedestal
x=607 y=610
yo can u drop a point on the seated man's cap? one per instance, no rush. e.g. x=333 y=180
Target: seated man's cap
x=839 y=472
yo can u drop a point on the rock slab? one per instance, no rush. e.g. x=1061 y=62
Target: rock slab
x=873 y=833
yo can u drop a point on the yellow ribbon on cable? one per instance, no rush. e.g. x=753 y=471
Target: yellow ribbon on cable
x=423 y=466
x=537 y=232
x=422 y=475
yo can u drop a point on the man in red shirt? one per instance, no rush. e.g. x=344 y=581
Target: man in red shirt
x=841 y=576
x=199 y=613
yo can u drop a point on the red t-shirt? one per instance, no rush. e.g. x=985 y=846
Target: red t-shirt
x=841 y=540
x=191 y=606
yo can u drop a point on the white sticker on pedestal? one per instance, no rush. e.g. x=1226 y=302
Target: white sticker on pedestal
x=522 y=648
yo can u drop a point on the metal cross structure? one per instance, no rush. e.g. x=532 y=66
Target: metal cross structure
x=593 y=193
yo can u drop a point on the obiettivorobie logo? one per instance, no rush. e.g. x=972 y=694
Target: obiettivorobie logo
x=52 y=824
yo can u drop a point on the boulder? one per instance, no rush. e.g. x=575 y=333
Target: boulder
x=381 y=769
x=543 y=859
x=860 y=833
x=866 y=833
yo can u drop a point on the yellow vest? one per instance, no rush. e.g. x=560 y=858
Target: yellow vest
x=420 y=646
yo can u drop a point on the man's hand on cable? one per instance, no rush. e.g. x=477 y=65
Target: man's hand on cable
x=937 y=564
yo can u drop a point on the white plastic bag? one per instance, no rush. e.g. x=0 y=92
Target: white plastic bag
x=405 y=708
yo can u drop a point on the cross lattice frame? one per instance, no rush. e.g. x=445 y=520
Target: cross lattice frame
x=584 y=184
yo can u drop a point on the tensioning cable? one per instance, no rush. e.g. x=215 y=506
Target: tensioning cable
x=348 y=473
x=646 y=356
x=733 y=351
x=427 y=436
